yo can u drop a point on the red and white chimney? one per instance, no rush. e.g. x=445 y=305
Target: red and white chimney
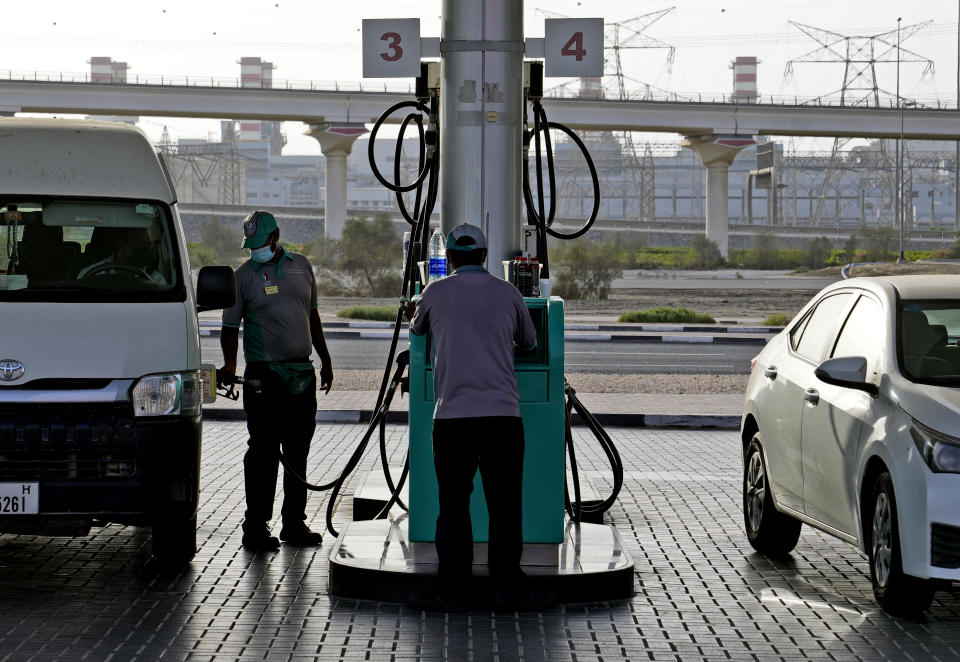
x=744 y=79
x=105 y=70
x=254 y=72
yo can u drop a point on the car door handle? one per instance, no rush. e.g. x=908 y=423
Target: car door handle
x=770 y=372
x=812 y=396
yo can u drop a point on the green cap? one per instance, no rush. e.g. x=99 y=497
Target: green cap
x=257 y=226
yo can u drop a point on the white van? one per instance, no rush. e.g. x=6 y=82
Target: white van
x=100 y=384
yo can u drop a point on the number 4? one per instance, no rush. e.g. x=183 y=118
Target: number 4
x=574 y=47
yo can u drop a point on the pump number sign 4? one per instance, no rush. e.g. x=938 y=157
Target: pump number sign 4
x=391 y=47
x=573 y=47
x=19 y=498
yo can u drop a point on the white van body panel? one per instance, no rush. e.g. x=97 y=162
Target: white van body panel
x=98 y=340
x=57 y=157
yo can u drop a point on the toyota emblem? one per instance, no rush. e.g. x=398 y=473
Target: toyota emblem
x=11 y=370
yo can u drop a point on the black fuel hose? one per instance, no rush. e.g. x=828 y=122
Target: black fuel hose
x=576 y=507
x=538 y=214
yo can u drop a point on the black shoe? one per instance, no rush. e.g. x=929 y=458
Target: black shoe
x=300 y=536
x=258 y=539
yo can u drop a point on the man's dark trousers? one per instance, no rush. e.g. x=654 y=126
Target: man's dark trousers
x=276 y=417
x=494 y=444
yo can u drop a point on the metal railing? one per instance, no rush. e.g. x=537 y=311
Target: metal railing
x=918 y=103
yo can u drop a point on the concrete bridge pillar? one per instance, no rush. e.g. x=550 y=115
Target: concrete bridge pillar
x=717 y=153
x=336 y=143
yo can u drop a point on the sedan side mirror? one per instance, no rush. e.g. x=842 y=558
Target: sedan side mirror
x=216 y=288
x=848 y=372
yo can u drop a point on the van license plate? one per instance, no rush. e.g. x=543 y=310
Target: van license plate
x=19 y=498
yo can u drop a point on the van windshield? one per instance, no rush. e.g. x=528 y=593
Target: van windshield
x=87 y=250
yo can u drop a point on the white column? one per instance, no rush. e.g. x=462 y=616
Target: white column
x=717 y=153
x=336 y=143
x=717 y=207
x=335 y=198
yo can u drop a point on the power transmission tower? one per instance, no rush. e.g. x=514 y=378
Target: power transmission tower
x=631 y=177
x=860 y=56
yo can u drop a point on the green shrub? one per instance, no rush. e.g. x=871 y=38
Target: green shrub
x=376 y=313
x=586 y=269
x=653 y=257
x=817 y=252
x=776 y=319
x=706 y=253
x=670 y=315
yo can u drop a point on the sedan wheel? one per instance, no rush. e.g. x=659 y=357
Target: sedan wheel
x=769 y=531
x=881 y=540
x=895 y=591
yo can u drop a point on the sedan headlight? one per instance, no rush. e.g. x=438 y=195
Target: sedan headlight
x=176 y=394
x=941 y=452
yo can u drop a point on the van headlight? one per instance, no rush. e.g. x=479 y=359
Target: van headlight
x=941 y=452
x=176 y=394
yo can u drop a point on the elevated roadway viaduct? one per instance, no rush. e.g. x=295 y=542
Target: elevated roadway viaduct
x=717 y=131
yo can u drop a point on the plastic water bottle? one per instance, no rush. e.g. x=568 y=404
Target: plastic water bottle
x=406 y=249
x=438 y=256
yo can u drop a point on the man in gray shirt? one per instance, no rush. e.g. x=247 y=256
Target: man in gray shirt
x=476 y=321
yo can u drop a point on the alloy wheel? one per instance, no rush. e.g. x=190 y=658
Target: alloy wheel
x=882 y=539
x=756 y=490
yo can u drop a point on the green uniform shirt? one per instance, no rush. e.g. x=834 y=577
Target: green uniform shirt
x=274 y=303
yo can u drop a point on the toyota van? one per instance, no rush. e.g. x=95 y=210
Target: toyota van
x=100 y=382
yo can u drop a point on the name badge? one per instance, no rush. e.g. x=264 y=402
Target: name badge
x=271 y=289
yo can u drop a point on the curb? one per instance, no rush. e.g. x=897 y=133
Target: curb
x=374 y=333
x=360 y=416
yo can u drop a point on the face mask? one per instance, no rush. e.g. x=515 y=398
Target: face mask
x=262 y=254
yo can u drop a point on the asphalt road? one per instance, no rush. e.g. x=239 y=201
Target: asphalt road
x=584 y=357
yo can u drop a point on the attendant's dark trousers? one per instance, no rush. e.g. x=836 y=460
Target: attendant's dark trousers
x=275 y=419
x=494 y=444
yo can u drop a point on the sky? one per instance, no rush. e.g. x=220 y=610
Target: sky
x=320 y=41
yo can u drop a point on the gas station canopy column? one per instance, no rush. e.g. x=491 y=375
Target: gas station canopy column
x=717 y=153
x=336 y=143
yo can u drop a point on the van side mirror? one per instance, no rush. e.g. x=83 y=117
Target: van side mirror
x=216 y=288
x=848 y=372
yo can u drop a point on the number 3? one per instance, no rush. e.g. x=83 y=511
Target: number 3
x=576 y=41
x=394 y=44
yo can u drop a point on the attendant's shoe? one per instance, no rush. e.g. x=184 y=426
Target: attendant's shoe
x=300 y=536
x=258 y=539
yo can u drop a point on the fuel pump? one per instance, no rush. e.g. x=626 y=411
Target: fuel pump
x=476 y=124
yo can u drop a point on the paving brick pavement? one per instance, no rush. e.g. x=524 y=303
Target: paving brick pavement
x=701 y=594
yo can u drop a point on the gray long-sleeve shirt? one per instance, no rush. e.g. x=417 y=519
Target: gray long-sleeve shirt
x=476 y=319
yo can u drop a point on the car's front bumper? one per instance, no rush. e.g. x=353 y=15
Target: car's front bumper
x=929 y=520
x=149 y=472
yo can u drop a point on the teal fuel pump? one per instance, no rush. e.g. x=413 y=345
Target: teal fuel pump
x=540 y=384
x=472 y=117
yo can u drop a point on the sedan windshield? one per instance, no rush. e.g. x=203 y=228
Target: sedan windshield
x=86 y=250
x=928 y=341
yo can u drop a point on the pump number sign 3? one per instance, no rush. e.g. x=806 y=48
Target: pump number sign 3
x=573 y=47
x=19 y=498
x=391 y=47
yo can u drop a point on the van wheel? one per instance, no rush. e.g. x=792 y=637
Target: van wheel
x=175 y=540
x=895 y=591
x=769 y=531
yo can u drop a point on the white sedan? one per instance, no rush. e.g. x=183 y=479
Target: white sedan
x=852 y=425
